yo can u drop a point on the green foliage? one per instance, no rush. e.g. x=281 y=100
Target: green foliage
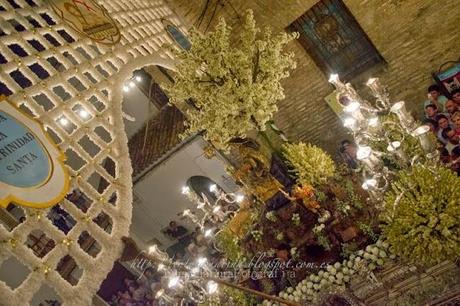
x=367 y=229
x=323 y=241
x=422 y=215
x=321 y=237
x=231 y=296
x=310 y=164
x=348 y=249
x=235 y=85
x=228 y=242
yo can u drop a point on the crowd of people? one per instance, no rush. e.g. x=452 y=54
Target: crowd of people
x=139 y=292
x=442 y=114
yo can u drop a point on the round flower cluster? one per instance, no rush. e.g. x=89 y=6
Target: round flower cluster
x=279 y=236
x=257 y=235
x=271 y=216
x=318 y=228
x=337 y=274
x=324 y=216
x=295 y=219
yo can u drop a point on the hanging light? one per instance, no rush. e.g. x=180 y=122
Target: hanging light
x=213 y=188
x=212 y=287
x=201 y=261
x=173 y=281
x=138 y=78
x=161 y=267
x=239 y=198
x=83 y=113
x=208 y=232
x=125 y=88
x=185 y=190
x=195 y=270
x=131 y=84
x=64 y=121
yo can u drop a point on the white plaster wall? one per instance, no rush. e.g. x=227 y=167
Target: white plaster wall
x=159 y=192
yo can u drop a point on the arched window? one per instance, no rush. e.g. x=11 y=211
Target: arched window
x=176 y=35
x=201 y=185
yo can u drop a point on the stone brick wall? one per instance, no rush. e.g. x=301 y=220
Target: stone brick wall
x=414 y=36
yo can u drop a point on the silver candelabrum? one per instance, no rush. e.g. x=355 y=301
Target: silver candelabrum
x=363 y=120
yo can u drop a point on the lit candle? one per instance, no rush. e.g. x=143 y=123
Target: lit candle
x=374 y=84
x=365 y=155
x=157 y=253
x=422 y=133
x=373 y=121
x=395 y=147
x=351 y=123
x=405 y=118
x=354 y=110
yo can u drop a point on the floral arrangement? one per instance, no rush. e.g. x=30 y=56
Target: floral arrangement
x=422 y=213
x=310 y=164
x=338 y=274
x=234 y=85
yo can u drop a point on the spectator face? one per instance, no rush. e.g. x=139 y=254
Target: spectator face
x=451 y=107
x=452 y=137
x=456 y=121
x=430 y=111
x=434 y=94
x=443 y=123
x=456 y=98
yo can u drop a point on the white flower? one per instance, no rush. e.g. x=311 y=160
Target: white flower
x=236 y=91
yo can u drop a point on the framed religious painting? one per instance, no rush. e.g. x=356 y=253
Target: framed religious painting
x=335 y=41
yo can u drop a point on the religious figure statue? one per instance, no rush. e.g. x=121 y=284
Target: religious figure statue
x=254 y=171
